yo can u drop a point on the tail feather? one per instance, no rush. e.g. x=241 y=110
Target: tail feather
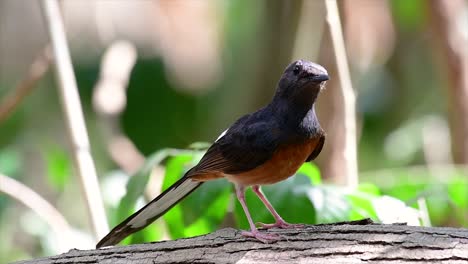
x=150 y=212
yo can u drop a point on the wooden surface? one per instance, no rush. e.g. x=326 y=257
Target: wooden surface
x=356 y=242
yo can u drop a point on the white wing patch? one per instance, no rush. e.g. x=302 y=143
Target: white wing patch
x=222 y=135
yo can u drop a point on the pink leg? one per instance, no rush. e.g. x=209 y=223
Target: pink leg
x=279 y=220
x=265 y=238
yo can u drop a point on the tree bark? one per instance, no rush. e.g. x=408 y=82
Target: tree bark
x=351 y=242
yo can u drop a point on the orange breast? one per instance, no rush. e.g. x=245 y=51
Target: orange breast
x=284 y=163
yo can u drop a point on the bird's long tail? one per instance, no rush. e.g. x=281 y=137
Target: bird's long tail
x=150 y=212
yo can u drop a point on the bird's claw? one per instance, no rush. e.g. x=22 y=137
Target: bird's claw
x=265 y=238
x=280 y=224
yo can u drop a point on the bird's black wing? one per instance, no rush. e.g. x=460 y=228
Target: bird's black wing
x=245 y=145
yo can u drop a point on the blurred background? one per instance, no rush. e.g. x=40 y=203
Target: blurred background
x=158 y=78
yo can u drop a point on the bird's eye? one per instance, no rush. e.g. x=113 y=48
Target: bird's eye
x=297 y=69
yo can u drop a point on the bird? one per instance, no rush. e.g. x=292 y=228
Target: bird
x=260 y=148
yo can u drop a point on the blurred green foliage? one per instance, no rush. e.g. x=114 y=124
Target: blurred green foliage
x=446 y=197
x=58 y=167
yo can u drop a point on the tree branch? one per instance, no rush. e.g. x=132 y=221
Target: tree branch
x=354 y=242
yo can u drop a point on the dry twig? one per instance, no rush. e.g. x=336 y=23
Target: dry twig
x=37 y=70
x=40 y=206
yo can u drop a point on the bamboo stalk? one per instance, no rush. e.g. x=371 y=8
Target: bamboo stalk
x=349 y=149
x=74 y=117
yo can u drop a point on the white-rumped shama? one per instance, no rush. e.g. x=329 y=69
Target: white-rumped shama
x=260 y=148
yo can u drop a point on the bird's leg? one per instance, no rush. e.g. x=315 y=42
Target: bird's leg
x=265 y=238
x=279 y=220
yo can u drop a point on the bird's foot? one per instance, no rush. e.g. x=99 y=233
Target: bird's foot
x=280 y=224
x=265 y=238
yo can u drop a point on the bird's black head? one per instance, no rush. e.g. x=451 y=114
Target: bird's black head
x=303 y=79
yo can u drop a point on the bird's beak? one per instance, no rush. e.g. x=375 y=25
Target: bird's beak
x=321 y=78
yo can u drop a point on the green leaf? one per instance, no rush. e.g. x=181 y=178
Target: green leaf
x=175 y=217
x=362 y=200
x=293 y=189
x=330 y=203
x=256 y=208
x=361 y=205
x=458 y=192
x=311 y=171
x=409 y=184
x=406 y=192
x=280 y=196
x=205 y=210
x=137 y=183
x=135 y=189
x=369 y=188
x=152 y=232
x=202 y=211
x=175 y=168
